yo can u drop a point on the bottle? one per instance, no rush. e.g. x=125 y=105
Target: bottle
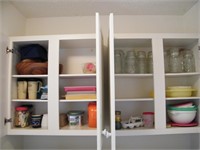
x=92 y=116
x=150 y=62
x=175 y=65
x=142 y=62
x=118 y=124
x=188 y=61
x=130 y=62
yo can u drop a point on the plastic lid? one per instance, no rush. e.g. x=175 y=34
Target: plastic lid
x=21 y=108
x=148 y=113
x=183 y=108
x=75 y=112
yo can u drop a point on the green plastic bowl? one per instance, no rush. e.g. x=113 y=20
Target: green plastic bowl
x=182 y=108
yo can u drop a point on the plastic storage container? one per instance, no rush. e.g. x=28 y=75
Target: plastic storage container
x=22 y=117
x=75 y=118
x=92 y=115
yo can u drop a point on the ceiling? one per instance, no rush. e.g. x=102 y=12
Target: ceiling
x=60 y=8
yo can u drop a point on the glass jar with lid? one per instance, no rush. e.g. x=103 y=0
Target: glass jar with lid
x=142 y=62
x=150 y=62
x=166 y=61
x=188 y=61
x=119 y=61
x=130 y=62
x=175 y=65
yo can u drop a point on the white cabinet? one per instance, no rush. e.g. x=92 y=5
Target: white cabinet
x=133 y=94
x=72 y=51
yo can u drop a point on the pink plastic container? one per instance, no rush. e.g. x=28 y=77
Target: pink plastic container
x=148 y=118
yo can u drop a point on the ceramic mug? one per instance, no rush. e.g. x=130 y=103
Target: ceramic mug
x=21 y=89
x=33 y=88
x=36 y=121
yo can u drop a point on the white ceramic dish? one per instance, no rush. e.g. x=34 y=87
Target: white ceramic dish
x=182 y=117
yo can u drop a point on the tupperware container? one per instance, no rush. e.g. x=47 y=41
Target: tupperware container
x=75 y=118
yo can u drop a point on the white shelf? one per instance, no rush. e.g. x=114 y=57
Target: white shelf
x=29 y=76
x=29 y=100
x=182 y=98
x=77 y=100
x=79 y=131
x=182 y=74
x=172 y=130
x=133 y=75
x=134 y=100
x=76 y=75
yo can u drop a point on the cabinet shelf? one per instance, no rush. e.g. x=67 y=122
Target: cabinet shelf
x=29 y=100
x=30 y=76
x=76 y=75
x=77 y=100
x=133 y=75
x=134 y=99
x=83 y=130
x=182 y=98
x=172 y=130
x=182 y=74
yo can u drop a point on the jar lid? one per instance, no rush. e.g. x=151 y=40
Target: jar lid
x=75 y=112
x=148 y=113
x=21 y=108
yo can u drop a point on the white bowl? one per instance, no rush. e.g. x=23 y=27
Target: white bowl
x=182 y=117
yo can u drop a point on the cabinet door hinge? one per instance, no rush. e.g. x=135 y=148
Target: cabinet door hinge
x=106 y=133
x=9 y=50
x=7 y=120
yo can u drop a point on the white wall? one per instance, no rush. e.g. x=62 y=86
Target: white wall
x=12 y=23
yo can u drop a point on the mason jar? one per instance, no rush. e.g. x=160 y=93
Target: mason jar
x=142 y=62
x=131 y=62
x=175 y=61
x=188 y=61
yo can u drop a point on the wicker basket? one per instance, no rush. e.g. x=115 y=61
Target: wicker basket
x=33 y=68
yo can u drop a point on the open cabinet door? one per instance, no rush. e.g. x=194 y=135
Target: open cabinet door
x=1 y=118
x=112 y=82
x=7 y=27
x=99 y=81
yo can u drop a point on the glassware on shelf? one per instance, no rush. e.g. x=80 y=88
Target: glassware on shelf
x=175 y=65
x=142 y=62
x=131 y=62
x=119 y=61
x=188 y=61
x=166 y=61
x=150 y=62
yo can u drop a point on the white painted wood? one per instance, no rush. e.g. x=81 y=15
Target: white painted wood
x=159 y=81
x=89 y=43
x=99 y=82
x=159 y=84
x=53 y=94
x=112 y=81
